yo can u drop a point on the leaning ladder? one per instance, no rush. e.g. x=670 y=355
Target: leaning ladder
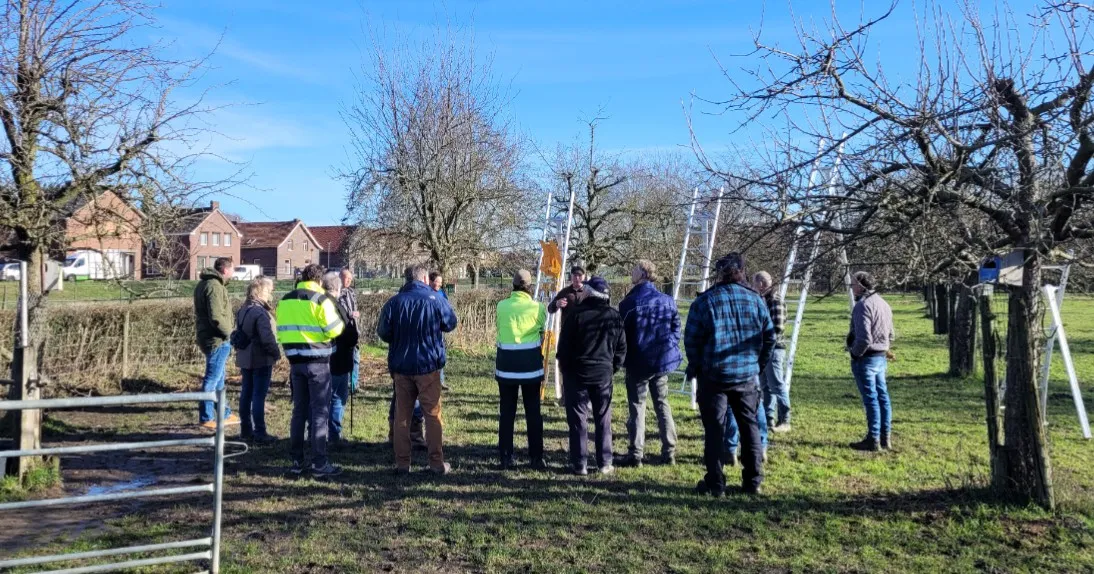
x=813 y=238
x=699 y=237
x=555 y=228
x=1054 y=296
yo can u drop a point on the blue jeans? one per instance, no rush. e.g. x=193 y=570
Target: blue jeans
x=776 y=390
x=339 y=396
x=252 y=400
x=869 y=374
x=216 y=363
x=733 y=434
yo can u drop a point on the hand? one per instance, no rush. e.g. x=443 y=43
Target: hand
x=562 y=303
x=356 y=314
x=890 y=355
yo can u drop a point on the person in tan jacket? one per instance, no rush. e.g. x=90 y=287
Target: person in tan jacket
x=868 y=343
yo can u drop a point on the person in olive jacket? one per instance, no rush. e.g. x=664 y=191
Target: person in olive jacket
x=256 y=359
x=213 y=323
x=591 y=348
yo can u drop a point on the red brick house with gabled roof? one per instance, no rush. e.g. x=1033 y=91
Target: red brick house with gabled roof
x=199 y=236
x=333 y=241
x=279 y=248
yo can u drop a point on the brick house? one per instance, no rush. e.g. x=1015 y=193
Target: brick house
x=333 y=240
x=280 y=248
x=105 y=223
x=108 y=224
x=198 y=237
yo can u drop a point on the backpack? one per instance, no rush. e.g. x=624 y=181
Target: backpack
x=239 y=339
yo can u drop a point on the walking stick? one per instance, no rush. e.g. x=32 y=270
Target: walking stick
x=351 y=413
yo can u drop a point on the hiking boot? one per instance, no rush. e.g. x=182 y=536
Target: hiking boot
x=297 y=469
x=781 y=428
x=402 y=471
x=629 y=461
x=265 y=439
x=886 y=442
x=753 y=490
x=668 y=459
x=729 y=459
x=868 y=444
x=325 y=471
x=609 y=469
x=580 y=470
x=232 y=419
x=444 y=469
x=702 y=489
x=538 y=465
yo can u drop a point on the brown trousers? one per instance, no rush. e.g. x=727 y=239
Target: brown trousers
x=427 y=390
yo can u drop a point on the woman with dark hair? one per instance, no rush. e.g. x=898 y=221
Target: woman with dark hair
x=519 y=368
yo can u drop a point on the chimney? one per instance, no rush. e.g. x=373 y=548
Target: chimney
x=214 y=205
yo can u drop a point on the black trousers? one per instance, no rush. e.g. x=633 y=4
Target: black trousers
x=578 y=398
x=744 y=400
x=508 y=416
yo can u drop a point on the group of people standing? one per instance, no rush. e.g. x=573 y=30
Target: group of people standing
x=732 y=340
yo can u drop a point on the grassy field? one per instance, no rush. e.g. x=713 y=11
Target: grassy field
x=921 y=508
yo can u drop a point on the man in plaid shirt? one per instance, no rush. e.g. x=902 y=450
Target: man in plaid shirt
x=728 y=340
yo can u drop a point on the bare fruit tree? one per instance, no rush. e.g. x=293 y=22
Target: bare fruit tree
x=86 y=105
x=437 y=164
x=992 y=134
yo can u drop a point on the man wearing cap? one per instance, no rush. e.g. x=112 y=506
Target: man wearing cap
x=519 y=368
x=591 y=348
x=728 y=340
x=868 y=342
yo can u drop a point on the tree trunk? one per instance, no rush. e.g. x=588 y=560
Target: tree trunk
x=1029 y=471
x=26 y=425
x=992 y=400
x=928 y=300
x=941 y=309
x=475 y=276
x=963 y=334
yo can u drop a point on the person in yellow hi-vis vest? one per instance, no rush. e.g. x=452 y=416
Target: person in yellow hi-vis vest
x=307 y=324
x=519 y=368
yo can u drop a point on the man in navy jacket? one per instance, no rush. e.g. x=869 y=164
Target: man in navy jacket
x=413 y=323
x=652 y=326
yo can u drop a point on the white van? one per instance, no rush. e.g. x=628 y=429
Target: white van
x=246 y=272
x=89 y=264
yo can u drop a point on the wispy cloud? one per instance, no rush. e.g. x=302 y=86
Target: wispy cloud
x=206 y=39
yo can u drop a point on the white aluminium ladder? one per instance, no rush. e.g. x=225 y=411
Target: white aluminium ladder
x=556 y=229
x=811 y=239
x=1054 y=297
x=696 y=257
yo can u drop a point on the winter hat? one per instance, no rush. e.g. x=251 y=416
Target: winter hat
x=597 y=287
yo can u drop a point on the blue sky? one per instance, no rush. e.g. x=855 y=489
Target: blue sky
x=288 y=66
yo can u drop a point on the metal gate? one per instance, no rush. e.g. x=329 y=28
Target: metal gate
x=208 y=548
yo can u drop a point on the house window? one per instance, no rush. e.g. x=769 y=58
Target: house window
x=205 y=239
x=216 y=240
x=290 y=245
x=288 y=267
x=227 y=239
x=307 y=245
x=201 y=261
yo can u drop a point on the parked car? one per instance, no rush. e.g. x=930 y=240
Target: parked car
x=9 y=272
x=246 y=272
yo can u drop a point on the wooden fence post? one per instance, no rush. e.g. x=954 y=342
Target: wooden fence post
x=993 y=401
x=125 y=344
x=941 y=309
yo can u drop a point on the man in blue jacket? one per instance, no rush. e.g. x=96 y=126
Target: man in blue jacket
x=652 y=325
x=728 y=340
x=413 y=323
